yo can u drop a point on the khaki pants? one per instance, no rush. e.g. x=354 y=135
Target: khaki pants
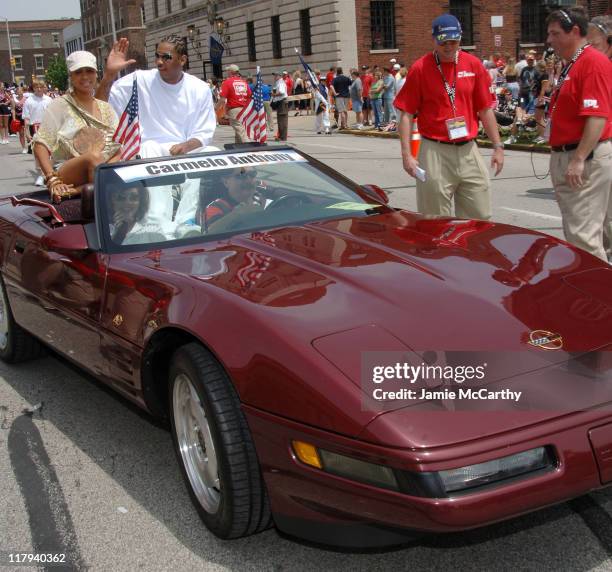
x=269 y=116
x=240 y=135
x=454 y=173
x=584 y=210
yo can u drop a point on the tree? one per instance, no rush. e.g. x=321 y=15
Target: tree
x=57 y=73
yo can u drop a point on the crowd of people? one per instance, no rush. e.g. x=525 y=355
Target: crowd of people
x=452 y=92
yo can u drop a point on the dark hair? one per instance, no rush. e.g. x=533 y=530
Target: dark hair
x=567 y=18
x=143 y=206
x=180 y=47
x=355 y=73
x=339 y=71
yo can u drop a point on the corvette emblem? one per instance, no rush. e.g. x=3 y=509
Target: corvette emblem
x=545 y=340
x=117 y=320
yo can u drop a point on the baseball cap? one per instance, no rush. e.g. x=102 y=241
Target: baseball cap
x=364 y=67
x=81 y=59
x=446 y=27
x=396 y=66
x=232 y=68
x=392 y=60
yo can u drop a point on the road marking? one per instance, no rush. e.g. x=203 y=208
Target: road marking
x=334 y=146
x=539 y=215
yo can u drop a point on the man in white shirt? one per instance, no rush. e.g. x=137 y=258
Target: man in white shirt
x=175 y=109
x=33 y=111
x=279 y=102
x=176 y=115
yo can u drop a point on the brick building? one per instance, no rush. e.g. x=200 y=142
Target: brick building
x=33 y=44
x=98 y=28
x=401 y=29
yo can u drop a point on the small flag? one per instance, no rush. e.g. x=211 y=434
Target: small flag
x=313 y=78
x=128 y=130
x=253 y=115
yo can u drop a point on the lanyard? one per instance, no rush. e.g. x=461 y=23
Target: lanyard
x=451 y=90
x=564 y=75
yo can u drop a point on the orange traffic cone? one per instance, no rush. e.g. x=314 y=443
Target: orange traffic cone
x=415 y=141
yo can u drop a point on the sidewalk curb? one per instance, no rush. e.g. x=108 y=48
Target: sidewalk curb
x=481 y=142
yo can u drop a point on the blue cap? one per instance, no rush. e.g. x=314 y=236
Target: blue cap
x=446 y=27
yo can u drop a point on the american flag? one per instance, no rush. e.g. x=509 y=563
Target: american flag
x=253 y=116
x=313 y=78
x=128 y=130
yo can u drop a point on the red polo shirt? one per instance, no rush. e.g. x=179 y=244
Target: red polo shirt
x=237 y=92
x=424 y=93
x=586 y=92
x=366 y=82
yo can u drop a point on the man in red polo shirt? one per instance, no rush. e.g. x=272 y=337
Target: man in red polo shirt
x=450 y=91
x=580 y=131
x=234 y=95
x=366 y=79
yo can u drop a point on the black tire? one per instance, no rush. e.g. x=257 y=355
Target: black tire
x=243 y=508
x=16 y=345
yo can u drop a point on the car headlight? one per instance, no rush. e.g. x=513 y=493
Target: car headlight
x=500 y=469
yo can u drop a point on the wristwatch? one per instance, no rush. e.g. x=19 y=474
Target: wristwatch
x=498 y=145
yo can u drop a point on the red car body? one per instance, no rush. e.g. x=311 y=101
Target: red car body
x=287 y=311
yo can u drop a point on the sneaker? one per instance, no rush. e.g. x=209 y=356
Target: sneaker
x=328 y=132
x=4 y=142
x=539 y=141
x=13 y=135
x=318 y=132
x=24 y=151
x=510 y=141
x=40 y=182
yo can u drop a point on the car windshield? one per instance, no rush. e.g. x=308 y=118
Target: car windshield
x=218 y=195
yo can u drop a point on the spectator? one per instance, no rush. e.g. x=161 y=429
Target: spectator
x=599 y=34
x=235 y=94
x=321 y=109
x=299 y=88
x=376 y=94
x=329 y=77
x=366 y=80
x=545 y=88
x=528 y=79
x=522 y=62
x=340 y=90
x=506 y=111
x=356 y=93
x=279 y=103
x=266 y=95
x=388 y=96
x=401 y=79
x=511 y=76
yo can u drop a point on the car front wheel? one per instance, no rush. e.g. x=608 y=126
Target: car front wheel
x=214 y=446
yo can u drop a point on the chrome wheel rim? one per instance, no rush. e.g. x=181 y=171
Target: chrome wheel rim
x=3 y=321
x=195 y=444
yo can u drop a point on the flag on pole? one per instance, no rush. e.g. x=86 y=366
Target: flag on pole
x=128 y=130
x=253 y=115
x=313 y=78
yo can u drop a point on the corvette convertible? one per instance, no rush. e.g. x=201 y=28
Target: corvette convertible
x=351 y=373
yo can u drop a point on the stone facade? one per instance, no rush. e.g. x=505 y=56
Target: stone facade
x=33 y=44
x=332 y=32
x=98 y=29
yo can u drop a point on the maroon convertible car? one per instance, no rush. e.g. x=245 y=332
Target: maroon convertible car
x=351 y=373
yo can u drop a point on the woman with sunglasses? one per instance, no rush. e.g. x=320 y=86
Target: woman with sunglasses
x=76 y=131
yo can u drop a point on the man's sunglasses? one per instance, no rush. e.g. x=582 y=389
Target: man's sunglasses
x=164 y=57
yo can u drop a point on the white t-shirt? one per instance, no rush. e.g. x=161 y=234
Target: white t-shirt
x=281 y=90
x=168 y=113
x=34 y=108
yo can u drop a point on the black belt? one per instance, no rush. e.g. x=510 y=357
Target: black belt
x=447 y=142
x=571 y=147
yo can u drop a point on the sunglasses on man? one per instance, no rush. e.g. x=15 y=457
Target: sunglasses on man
x=164 y=57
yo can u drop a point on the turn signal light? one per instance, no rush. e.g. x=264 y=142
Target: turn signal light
x=307 y=453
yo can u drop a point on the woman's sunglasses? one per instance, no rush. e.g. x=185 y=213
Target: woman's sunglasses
x=164 y=57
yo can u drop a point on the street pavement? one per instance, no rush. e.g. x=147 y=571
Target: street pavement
x=107 y=490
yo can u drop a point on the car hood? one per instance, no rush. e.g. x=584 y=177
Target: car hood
x=401 y=282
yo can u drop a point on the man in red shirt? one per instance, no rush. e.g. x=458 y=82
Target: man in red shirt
x=234 y=95
x=450 y=90
x=366 y=80
x=580 y=131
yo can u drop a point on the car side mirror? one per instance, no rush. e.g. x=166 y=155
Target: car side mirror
x=70 y=238
x=377 y=193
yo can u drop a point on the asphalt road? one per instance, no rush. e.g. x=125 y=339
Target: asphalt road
x=106 y=489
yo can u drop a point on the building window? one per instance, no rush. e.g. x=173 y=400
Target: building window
x=15 y=42
x=305 y=32
x=250 y=30
x=18 y=63
x=183 y=4
x=38 y=61
x=142 y=15
x=36 y=41
x=382 y=24
x=462 y=9
x=277 y=51
x=155 y=8
x=533 y=17
x=168 y=6
x=55 y=39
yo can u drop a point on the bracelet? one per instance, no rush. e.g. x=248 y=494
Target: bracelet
x=53 y=181
x=50 y=175
x=498 y=145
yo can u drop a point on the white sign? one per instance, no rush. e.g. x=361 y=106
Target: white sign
x=498 y=41
x=497 y=21
x=200 y=164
